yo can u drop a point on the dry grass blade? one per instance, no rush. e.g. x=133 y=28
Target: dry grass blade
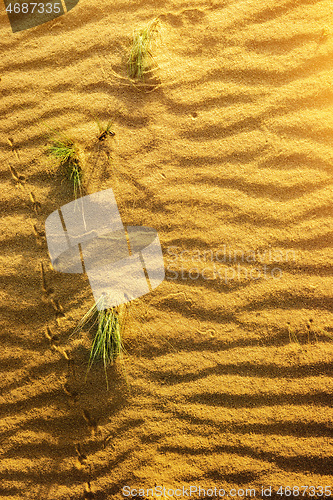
x=292 y=334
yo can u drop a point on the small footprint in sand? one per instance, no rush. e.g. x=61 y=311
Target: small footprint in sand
x=53 y=339
x=82 y=458
x=70 y=392
x=47 y=291
x=92 y=424
x=58 y=309
x=36 y=206
x=10 y=141
x=39 y=234
x=17 y=178
x=70 y=364
x=88 y=494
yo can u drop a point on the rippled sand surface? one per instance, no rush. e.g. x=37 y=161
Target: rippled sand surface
x=228 y=154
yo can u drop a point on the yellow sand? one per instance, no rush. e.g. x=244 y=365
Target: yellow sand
x=228 y=155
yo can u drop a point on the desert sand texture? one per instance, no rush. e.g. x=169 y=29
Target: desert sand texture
x=226 y=150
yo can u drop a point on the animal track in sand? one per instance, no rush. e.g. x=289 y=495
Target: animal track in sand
x=47 y=291
x=36 y=205
x=91 y=422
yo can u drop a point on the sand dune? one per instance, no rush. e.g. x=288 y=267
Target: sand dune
x=230 y=159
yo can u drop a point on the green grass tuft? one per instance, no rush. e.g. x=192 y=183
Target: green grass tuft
x=140 y=55
x=107 y=344
x=66 y=152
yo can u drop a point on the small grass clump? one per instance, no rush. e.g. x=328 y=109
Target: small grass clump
x=107 y=344
x=140 y=55
x=104 y=131
x=66 y=152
